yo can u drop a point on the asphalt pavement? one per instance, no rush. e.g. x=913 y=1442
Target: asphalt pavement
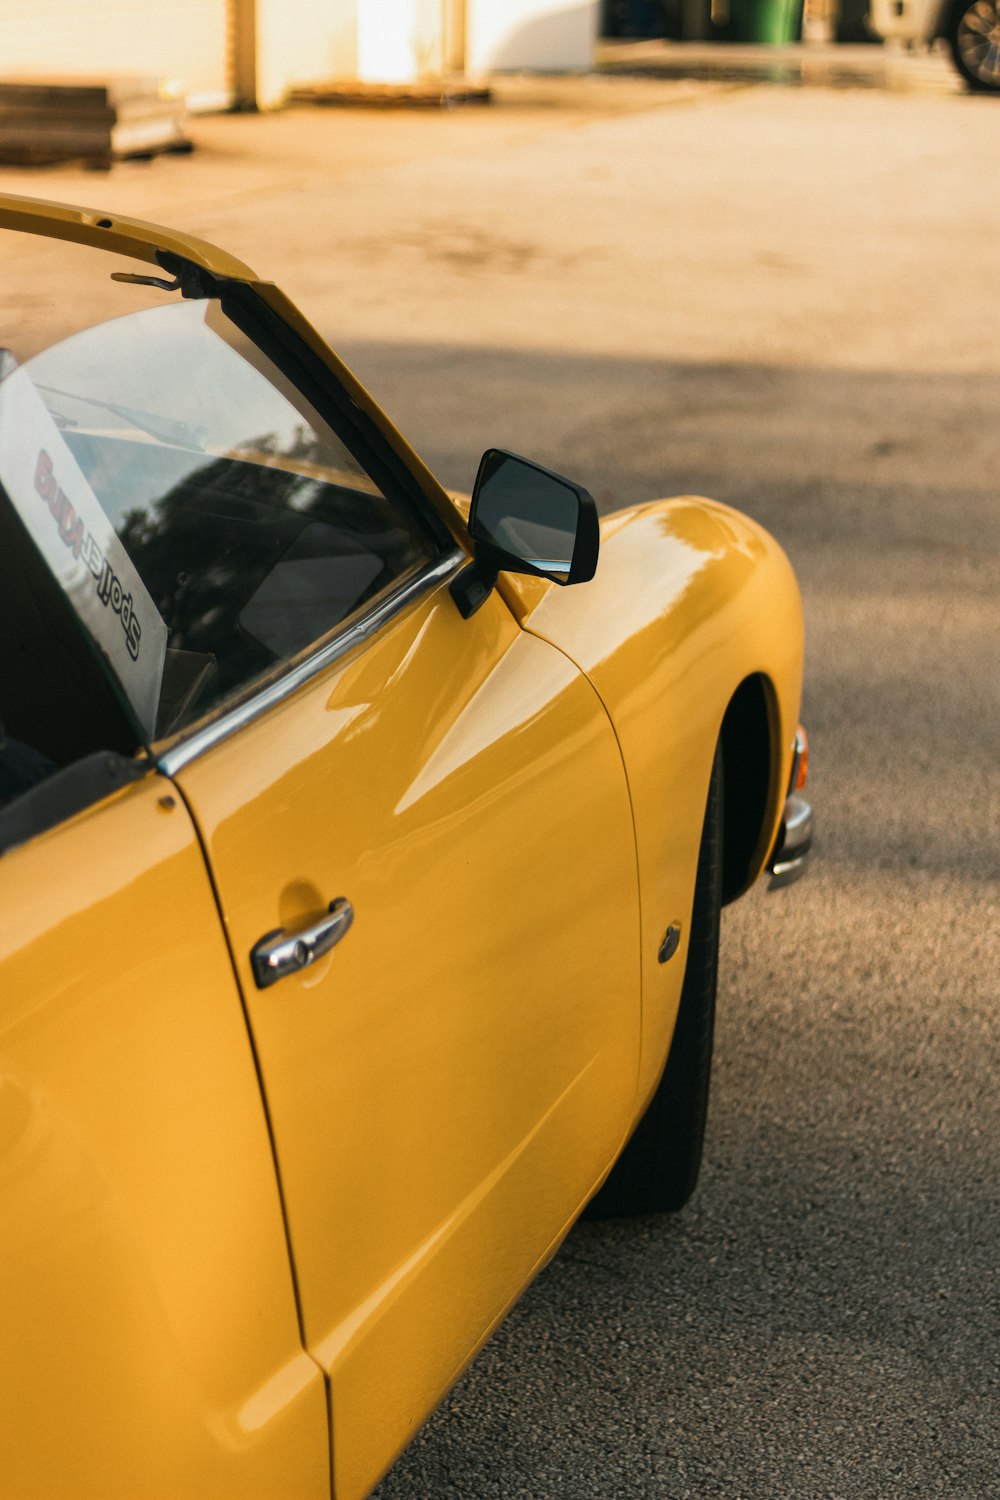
x=779 y=296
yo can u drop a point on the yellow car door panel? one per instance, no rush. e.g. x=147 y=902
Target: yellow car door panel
x=448 y=1084
x=148 y=1308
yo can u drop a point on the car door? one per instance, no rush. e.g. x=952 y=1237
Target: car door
x=446 y=1085
x=149 y=1343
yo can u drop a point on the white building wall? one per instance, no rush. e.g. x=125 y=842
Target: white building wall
x=546 y=34
x=404 y=41
x=185 y=42
x=303 y=41
x=399 y=41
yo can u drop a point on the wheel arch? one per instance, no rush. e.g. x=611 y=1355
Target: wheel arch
x=751 y=765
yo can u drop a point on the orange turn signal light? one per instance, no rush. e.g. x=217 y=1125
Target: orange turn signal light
x=802 y=759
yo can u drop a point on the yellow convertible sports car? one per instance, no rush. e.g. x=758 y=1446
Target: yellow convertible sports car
x=359 y=880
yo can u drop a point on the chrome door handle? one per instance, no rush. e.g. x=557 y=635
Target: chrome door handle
x=279 y=953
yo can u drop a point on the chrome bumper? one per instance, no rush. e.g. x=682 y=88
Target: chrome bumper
x=791 y=852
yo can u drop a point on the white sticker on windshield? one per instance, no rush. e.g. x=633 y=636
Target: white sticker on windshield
x=65 y=521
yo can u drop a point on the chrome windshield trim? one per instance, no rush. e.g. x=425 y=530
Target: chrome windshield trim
x=176 y=757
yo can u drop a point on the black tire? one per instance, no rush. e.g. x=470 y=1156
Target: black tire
x=658 y=1170
x=973 y=31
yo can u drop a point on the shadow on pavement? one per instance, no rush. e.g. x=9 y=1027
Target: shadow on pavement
x=822 y=1320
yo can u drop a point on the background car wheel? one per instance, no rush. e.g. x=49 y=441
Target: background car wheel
x=658 y=1170
x=974 y=39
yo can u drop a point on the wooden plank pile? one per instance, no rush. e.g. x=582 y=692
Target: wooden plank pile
x=99 y=120
x=430 y=94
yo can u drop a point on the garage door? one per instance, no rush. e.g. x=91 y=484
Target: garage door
x=183 y=40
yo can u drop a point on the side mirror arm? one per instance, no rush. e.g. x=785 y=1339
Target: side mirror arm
x=471 y=588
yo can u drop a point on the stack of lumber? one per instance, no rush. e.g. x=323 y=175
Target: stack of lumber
x=431 y=93
x=49 y=119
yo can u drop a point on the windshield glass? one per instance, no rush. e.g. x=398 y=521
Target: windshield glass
x=170 y=491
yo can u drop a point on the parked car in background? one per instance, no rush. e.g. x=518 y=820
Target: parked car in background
x=361 y=861
x=970 y=27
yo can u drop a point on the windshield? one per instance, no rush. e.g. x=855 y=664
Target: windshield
x=181 y=501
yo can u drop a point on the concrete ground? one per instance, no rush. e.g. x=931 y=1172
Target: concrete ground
x=811 y=64
x=778 y=296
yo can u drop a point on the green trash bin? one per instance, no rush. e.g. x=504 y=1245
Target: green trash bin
x=774 y=22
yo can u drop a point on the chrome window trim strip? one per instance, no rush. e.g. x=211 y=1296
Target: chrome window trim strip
x=178 y=756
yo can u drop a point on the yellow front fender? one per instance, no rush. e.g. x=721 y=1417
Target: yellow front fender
x=691 y=599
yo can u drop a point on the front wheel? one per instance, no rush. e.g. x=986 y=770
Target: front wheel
x=658 y=1169
x=973 y=31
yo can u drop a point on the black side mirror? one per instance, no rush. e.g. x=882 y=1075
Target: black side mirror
x=525 y=519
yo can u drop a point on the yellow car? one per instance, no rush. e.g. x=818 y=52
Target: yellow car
x=360 y=880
